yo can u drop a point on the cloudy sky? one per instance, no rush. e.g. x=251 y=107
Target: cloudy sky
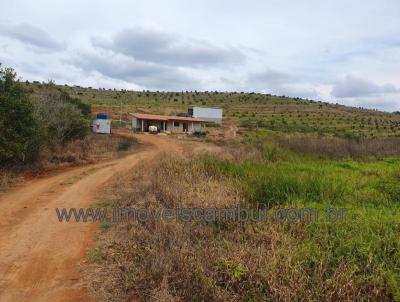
x=345 y=51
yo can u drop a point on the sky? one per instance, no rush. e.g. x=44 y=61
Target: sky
x=342 y=51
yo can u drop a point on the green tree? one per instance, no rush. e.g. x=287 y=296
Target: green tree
x=19 y=135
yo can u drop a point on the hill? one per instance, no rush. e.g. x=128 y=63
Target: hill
x=248 y=110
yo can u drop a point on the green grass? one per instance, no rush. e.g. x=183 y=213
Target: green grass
x=321 y=180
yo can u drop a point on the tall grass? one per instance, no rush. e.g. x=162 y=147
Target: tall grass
x=88 y=150
x=272 y=183
x=91 y=148
x=340 y=147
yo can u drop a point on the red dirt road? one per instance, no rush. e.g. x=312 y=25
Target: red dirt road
x=39 y=256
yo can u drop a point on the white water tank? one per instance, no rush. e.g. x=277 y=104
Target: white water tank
x=102 y=124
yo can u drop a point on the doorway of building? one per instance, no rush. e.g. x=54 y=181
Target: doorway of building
x=185 y=127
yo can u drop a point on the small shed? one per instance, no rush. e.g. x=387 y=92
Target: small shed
x=102 y=123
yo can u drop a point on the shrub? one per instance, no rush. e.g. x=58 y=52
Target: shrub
x=83 y=107
x=62 y=118
x=19 y=139
x=199 y=133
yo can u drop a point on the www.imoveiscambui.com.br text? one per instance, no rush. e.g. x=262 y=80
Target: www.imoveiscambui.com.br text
x=238 y=214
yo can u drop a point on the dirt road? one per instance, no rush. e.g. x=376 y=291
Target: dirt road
x=39 y=256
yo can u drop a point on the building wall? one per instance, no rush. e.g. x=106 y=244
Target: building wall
x=169 y=126
x=135 y=123
x=173 y=128
x=196 y=127
x=210 y=114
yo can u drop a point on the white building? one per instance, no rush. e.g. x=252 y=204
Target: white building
x=102 y=124
x=209 y=114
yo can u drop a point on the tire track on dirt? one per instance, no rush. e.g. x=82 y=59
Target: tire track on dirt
x=39 y=256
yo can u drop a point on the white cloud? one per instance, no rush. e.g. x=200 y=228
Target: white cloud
x=359 y=92
x=121 y=67
x=31 y=35
x=352 y=86
x=160 y=47
x=281 y=47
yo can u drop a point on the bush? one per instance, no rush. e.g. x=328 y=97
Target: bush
x=62 y=118
x=32 y=120
x=83 y=107
x=19 y=139
x=199 y=133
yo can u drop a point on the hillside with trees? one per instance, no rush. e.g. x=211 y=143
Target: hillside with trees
x=248 y=110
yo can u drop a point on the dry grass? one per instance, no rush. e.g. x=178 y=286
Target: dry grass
x=6 y=179
x=93 y=147
x=340 y=148
x=88 y=150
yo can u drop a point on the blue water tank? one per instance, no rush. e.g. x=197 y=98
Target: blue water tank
x=102 y=116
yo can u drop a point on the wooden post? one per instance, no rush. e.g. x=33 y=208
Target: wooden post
x=142 y=126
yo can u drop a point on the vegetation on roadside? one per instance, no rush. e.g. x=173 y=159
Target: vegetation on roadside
x=19 y=139
x=33 y=123
x=92 y=148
